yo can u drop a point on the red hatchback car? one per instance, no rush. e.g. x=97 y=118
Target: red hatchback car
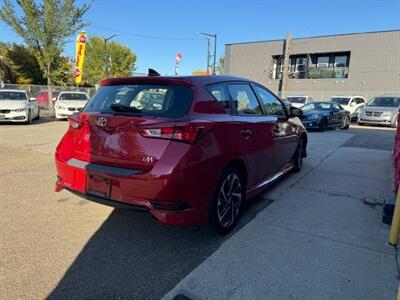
x=187 y=149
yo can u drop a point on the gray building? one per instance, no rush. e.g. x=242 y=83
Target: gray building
x=364 y=64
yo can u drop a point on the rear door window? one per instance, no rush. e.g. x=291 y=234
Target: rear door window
x=244 y=100
x=169 y=101
x=272 y=106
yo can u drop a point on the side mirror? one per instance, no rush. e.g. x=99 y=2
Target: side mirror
x=352 y=104
x=295 y=112
x=32 y=99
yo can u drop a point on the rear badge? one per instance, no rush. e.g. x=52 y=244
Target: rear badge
x=101 y=122
x=148 y=159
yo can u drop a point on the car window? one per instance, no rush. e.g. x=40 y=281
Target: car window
x=244 y=99
x=317 y=106
x=360 y=100
x=170 y=101
x=73 y=96
x=296 y=99
x=384 y=101
x=341 y=100
x=218 y=91
x=271 y=104
x=12 y=95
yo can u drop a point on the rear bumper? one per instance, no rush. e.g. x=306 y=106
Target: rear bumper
x=141 y=191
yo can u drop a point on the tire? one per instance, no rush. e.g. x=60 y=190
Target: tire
x=394 y=123
x=346 y=123
x=228 y=198
x=323 y=125
x=38 y=115
x=298 y=156
x=29 y=120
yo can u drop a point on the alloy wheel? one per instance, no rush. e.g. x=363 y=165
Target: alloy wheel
x=229 y=200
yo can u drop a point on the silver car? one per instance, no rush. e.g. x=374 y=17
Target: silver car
x=381 y=110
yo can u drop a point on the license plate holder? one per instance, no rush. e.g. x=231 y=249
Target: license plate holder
x=98 y=186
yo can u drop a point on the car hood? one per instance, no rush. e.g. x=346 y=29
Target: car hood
x=71 y=103
x=12 y=104
x=309 y=113
x=380 y=108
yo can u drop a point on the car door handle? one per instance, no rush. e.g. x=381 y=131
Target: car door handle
x=246 y=133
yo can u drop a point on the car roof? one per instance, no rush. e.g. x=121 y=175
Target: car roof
x=347 y=96
x=72 y=92
x=389 y=96
x=185 y=80
x=10 y=90
x=298 y=96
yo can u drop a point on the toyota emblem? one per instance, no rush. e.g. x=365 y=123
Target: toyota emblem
x=101 y=122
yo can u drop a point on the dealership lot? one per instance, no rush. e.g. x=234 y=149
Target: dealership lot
x=59 y=245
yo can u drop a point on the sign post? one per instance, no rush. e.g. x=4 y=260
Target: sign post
x=80 y=56
x=178 y=58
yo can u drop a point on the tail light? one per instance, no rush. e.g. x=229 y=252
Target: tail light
x=74 y=121
x=185 y=132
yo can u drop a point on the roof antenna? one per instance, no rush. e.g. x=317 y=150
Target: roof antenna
x=153 y=72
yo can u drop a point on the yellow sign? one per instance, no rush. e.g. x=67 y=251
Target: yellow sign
x=80 y=56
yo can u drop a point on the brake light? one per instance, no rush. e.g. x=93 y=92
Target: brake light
x=74 y=122
x=185 y=132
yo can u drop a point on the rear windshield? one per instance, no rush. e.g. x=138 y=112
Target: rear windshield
x=340 y=100
x=296 y=99
x=73 y=96
x=384 y=102
x=169 y=101
x=6 y=95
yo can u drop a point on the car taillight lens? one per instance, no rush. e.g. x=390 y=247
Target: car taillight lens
x=74 y=121
x=185 y=132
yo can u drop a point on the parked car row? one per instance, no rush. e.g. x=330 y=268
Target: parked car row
x=381 y=110
x=18 y=106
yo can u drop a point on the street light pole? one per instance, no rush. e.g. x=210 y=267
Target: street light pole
x=108 y=56
x=214 y=36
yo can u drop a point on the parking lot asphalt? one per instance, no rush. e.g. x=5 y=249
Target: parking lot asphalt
x=61 y=246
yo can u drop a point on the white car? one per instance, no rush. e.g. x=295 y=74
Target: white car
x=68 y=103
x=350 y=103
x=16 y=106
x=299 y=101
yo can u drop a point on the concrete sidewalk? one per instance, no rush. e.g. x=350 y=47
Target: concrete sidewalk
x=318 y=240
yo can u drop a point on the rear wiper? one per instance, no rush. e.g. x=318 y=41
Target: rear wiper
x=122 y=108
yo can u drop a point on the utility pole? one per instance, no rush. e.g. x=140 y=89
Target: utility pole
x=214 y=36
x=208 y=56
x=108 y=56
x=285 y=76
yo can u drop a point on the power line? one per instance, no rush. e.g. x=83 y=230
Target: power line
x=145 y=35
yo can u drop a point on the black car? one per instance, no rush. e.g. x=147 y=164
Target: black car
x=324 y=115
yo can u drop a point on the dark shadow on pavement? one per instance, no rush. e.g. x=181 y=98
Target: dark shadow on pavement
x=132 y=256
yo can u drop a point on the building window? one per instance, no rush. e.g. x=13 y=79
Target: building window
x=323 y=61
x=313 y=66
x=341 y=61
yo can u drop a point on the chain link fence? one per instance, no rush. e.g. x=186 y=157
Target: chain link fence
x=40 y=92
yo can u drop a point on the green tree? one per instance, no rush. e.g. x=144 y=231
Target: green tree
x=44 y=26
x=220 y=65
x=121 y=60
x=25 y=65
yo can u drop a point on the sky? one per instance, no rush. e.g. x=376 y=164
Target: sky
x=156 y=30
